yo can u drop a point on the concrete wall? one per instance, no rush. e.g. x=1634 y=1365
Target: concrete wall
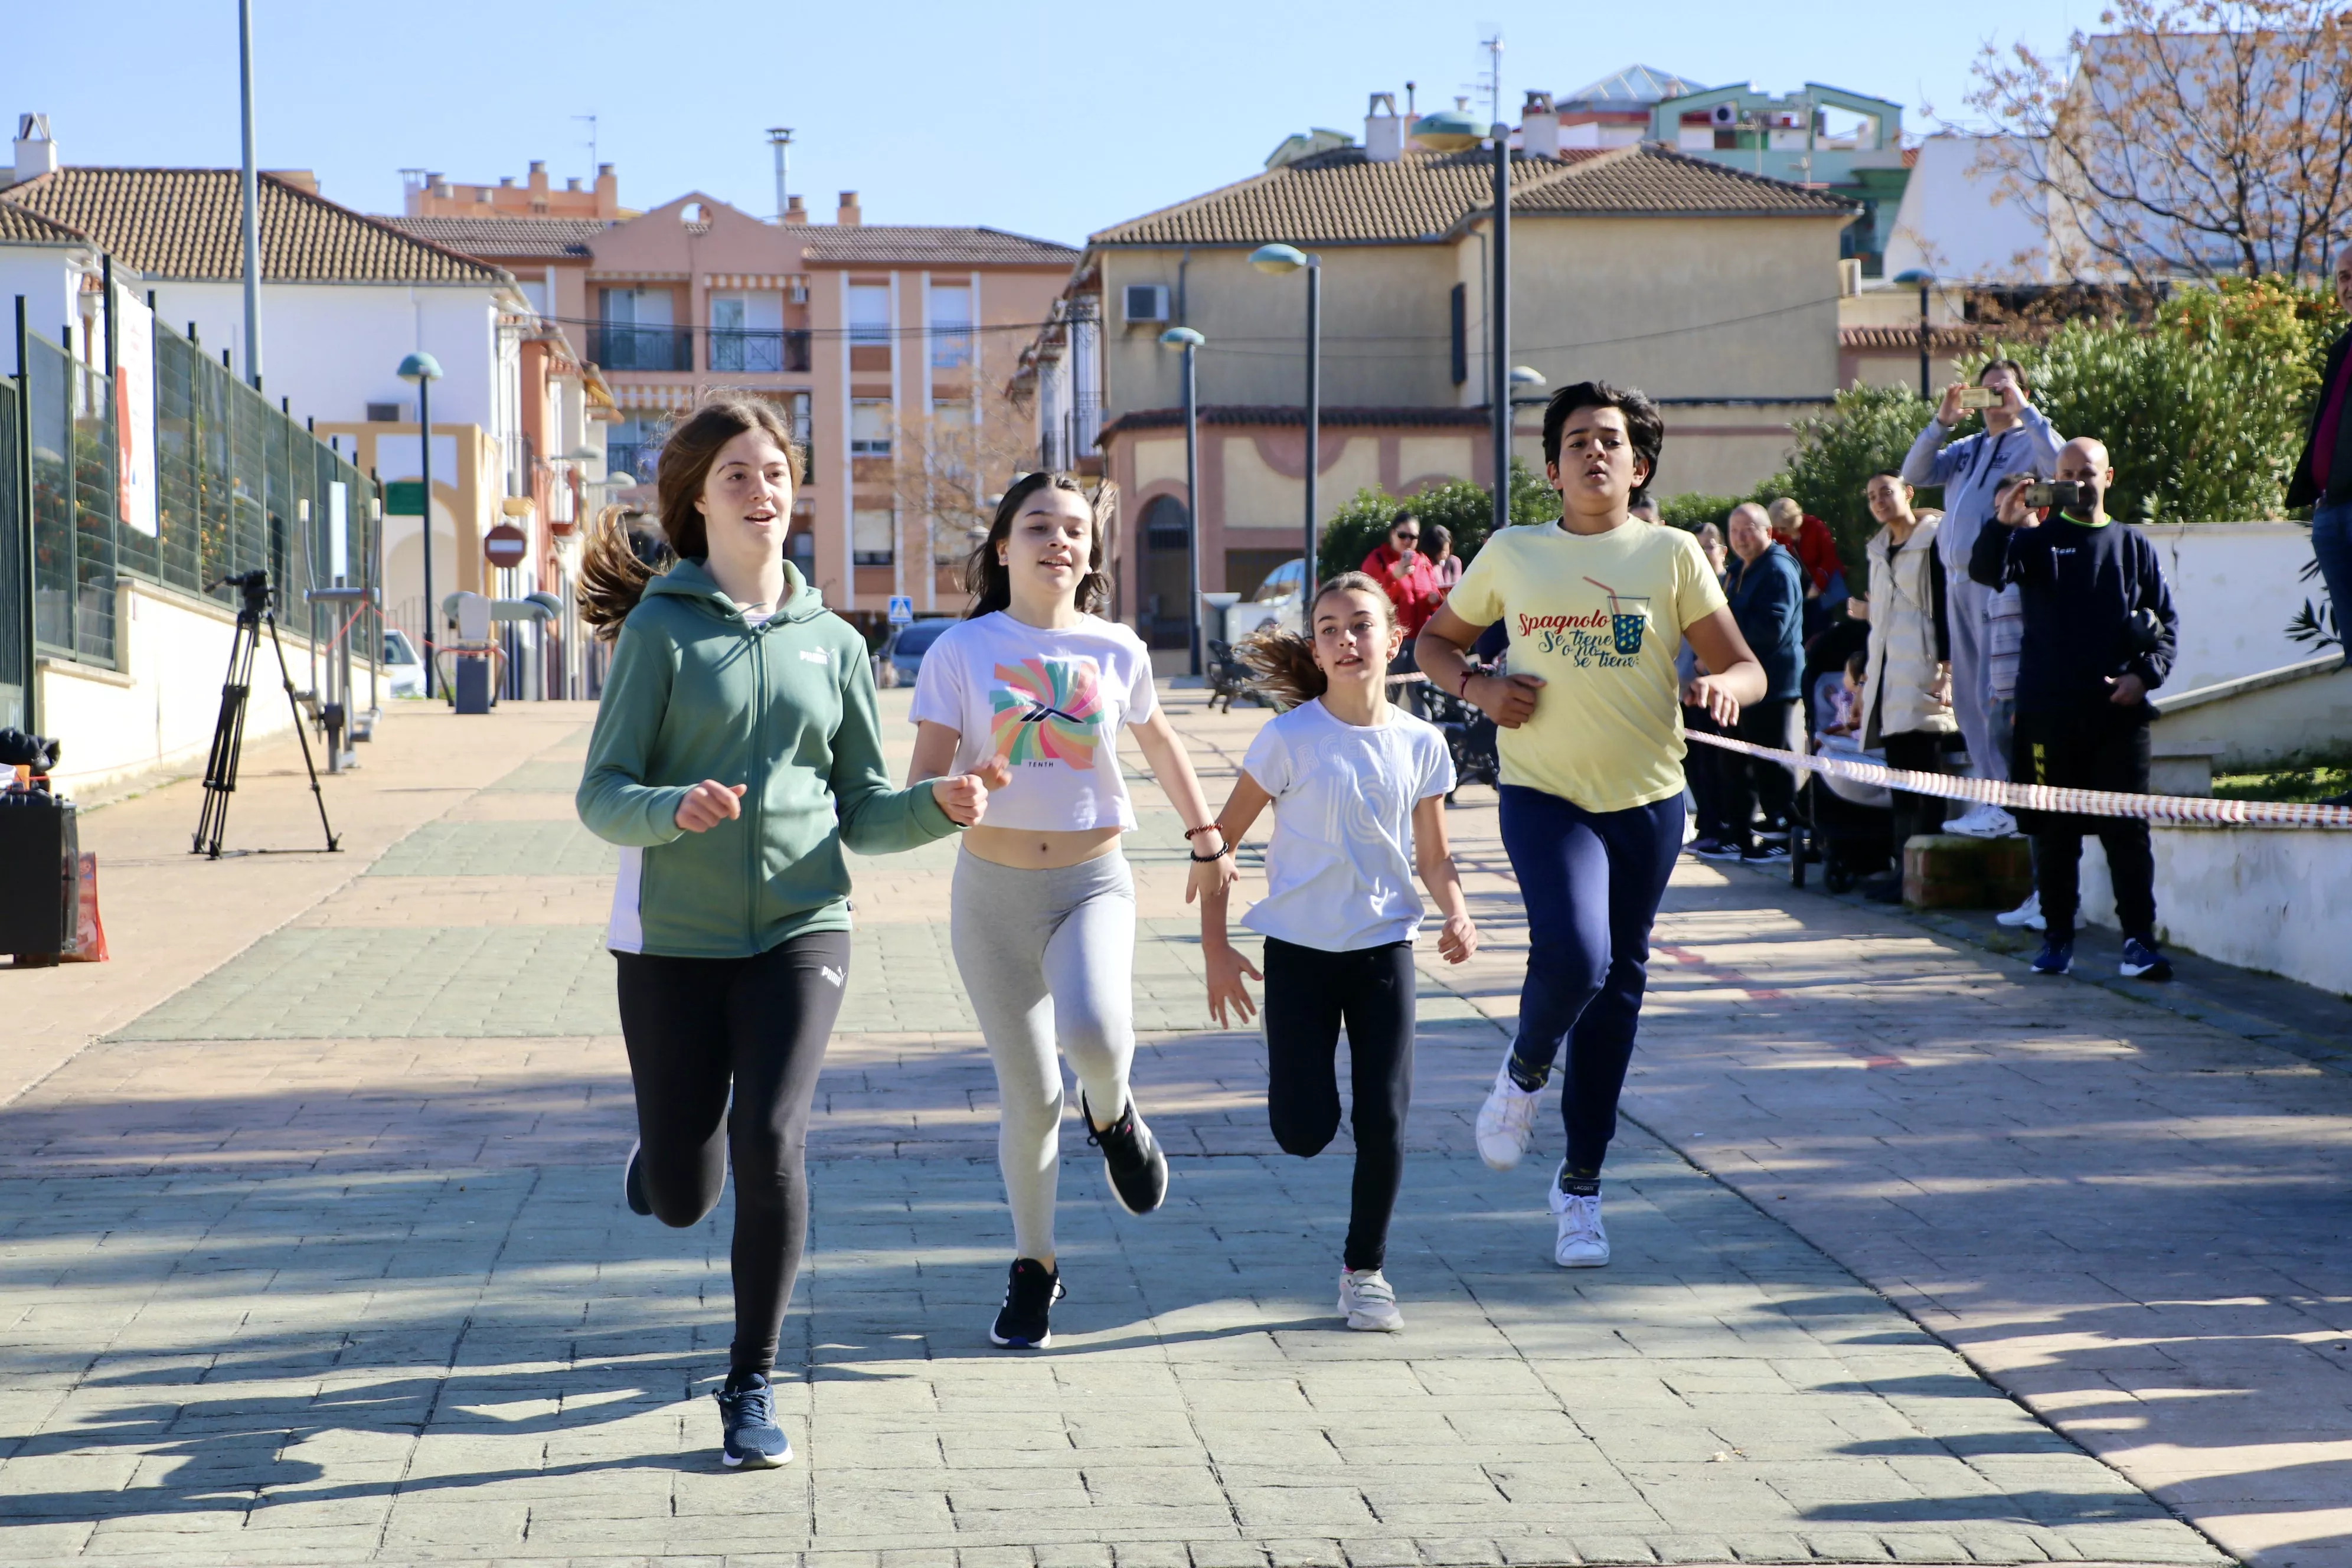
x=2260 y=719
x=2274 y=898
x=158 y=714
x=1959 y=224
x=2236 y=585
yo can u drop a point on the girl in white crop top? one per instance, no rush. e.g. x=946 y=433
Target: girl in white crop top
x=1042 y=917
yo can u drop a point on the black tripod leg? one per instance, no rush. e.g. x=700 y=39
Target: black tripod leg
x=303 y=735
x=228 y=742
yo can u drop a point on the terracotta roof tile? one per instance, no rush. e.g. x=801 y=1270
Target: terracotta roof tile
x=503 y=239
x=1654 y=180
x=185 y=223
x=25 y=227
x=1343 y=197
x=932 y=245
x=1940 y=340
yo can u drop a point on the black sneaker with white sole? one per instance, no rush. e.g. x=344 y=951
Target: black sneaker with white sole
x=1025 y=1320
x=1139 y=1171
x=633 y=1182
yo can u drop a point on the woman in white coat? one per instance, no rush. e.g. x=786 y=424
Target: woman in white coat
x=1907 y=692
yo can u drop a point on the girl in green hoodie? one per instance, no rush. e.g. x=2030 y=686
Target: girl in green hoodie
x=736 y=751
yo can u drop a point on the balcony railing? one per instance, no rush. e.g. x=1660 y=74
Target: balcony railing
x=633 y=458
x=642 y=348
x=757 y=350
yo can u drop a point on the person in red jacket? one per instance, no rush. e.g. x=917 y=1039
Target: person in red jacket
x=1410 y=580
x=1807 y=538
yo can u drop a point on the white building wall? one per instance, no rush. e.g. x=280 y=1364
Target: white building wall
x=1956 y=222
x=49 y=277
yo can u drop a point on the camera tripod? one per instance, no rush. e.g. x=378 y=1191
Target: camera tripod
x=228 y=734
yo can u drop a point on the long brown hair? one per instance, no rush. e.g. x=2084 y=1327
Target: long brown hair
x=613 y=572
x=988 y=581
x=1283 y=663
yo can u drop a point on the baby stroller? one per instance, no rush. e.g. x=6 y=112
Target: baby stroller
x=1843 y=826
x=1469 y=738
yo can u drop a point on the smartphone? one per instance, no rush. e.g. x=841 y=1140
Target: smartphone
x=2061 y=493
x=1979 y=397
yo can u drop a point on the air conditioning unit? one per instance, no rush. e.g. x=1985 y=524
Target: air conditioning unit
x=1145 y=304
x=389 y=413
x=1726 y=114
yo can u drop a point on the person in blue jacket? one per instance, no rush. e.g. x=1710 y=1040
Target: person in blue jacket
x=1766 y=591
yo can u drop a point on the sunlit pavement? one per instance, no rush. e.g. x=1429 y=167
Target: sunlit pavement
x=317 y=1254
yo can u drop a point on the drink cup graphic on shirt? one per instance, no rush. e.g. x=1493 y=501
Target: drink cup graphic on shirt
x=1629 y=617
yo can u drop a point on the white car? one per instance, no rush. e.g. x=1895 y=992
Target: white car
x=403 y=672
x=1277 y=602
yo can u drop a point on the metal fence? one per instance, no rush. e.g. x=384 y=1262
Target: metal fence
x=15 y=608
x=239 y=484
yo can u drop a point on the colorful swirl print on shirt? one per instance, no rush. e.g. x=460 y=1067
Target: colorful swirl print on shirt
x=1048 y=710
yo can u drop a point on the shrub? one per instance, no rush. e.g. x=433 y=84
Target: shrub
x=2203 y=409
x=1465 y=511
x=1686 y=511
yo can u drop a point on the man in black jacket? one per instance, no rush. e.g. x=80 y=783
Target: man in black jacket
x=2099 y=636
x=2322 y=476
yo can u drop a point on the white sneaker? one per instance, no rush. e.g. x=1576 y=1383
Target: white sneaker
x=1583 y=1243
x=1368 y=1301
x=2027 y=914
x=1984 y=822
x=1507 y=1121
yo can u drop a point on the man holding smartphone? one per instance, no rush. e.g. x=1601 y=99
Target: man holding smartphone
x=2100 y=631
x=2016 y=439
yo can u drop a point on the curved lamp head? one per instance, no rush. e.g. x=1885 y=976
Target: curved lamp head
x=1181 y=338
x=1916 y=277
x=581 y=454
x=1277 y=259
x=1527 y=375
x=420 y=367
x=1447 y=130
x=621 y=479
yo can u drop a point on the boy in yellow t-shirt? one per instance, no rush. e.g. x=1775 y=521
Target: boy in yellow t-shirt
x=1591 y=744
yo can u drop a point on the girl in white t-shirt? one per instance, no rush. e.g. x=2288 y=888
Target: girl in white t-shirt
x=1357 y=787
x=1042 y=914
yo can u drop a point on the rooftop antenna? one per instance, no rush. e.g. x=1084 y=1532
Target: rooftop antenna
x=591 y=119
x=780 y=137
x=1494 y=84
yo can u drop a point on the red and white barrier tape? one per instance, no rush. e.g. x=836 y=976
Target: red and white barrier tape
x=2049 y=798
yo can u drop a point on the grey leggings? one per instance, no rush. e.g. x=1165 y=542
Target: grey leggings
x=1046 y=956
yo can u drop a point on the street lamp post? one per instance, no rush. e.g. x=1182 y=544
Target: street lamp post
x=1451 y=130
x=1275 y=260
x=1188 y=339
x=422 y=370
x=1926 y=280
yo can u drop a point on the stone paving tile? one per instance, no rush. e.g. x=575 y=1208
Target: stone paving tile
x=321 y=1262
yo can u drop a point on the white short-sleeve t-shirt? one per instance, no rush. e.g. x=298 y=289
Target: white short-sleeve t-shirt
x=1339 y=871
x=1051 y=703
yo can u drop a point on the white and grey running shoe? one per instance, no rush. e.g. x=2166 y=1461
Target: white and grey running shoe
x=1368 y=1301
x=1507 y=1121
x=1582 y=1241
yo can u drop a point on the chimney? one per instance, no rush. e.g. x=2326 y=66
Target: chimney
x=37 y=153
x=572 y=184
x=608 y=192
x=300 y=179
x=793 y=211
x=847 y=216
x=538 y=183
x=1539 y=126
x=1383 y=131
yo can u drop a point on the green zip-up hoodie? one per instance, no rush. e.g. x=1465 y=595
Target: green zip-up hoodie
x=697 y=692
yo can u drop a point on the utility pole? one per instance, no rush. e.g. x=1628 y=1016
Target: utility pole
x=252 y=186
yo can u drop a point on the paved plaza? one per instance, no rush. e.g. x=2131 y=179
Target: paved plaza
x=311 y=1246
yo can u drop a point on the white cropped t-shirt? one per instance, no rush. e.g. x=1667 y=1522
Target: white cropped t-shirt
x=1052 y=703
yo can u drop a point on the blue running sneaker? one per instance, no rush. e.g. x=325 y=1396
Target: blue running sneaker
x=747 y=1411
x=2055 y=958
x=2143 y=961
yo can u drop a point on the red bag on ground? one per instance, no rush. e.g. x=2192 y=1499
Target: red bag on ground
x=89 y=942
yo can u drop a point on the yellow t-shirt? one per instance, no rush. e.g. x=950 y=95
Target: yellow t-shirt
x=1599 y=616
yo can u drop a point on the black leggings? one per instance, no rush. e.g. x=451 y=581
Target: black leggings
x=694 y=1026
x=1308 y=994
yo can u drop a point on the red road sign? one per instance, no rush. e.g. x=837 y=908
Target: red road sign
x=506 y=545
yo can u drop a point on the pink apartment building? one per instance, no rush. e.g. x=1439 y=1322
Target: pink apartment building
x=888 y=345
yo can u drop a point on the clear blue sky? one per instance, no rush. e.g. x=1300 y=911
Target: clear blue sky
x=1047 y=120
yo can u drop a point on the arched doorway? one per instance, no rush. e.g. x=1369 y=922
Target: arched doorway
x=1167 y=610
